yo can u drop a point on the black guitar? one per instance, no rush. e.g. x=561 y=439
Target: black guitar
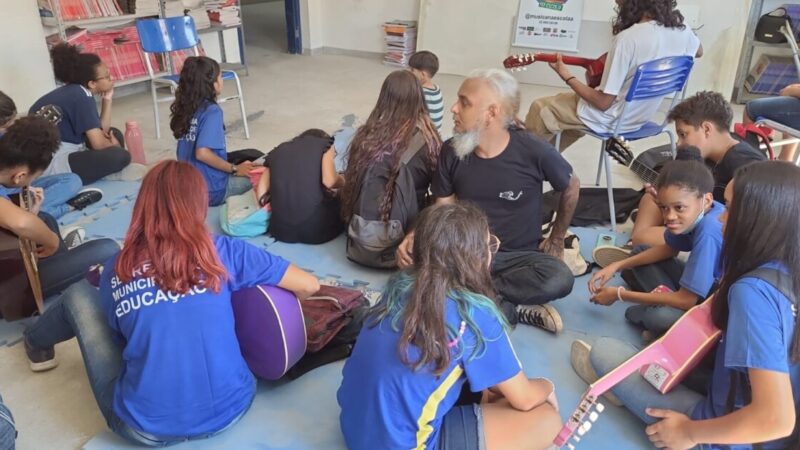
x=646 y=166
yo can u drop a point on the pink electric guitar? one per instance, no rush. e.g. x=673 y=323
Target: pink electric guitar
x=664 y=364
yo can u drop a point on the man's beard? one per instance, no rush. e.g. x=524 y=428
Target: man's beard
x=466 y=142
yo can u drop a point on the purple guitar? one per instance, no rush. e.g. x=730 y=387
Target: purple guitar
x=270 y=329
x=664 y=364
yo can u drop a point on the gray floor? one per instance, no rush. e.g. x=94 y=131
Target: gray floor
x=56 y=410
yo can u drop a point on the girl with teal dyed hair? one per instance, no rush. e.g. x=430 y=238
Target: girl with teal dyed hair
x=435 y=335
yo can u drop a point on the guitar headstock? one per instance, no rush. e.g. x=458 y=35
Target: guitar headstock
x=519 y=61
x=619 y=149
x=51 y=113
x=579 y=422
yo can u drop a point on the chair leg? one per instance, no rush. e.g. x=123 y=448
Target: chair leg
x=672 y=147
x=558 y=141
x=154 y=95
x=610 y=187
x=241 y=106
x=600 y=164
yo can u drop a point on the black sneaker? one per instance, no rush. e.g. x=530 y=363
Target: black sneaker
x=542 y=316
x=85 y=198
x=40 y=359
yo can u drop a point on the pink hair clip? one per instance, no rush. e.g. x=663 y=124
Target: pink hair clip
x=454 y=342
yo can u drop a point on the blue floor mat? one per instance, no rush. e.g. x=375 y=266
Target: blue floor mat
x=303 y=414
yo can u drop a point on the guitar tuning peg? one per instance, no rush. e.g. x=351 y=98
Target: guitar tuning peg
x=600 y=407
x=570 y=447
x=593 y=416
x=582 y=429
x=576 y=438
x=587 y=426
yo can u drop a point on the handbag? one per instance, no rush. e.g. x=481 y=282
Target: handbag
x=768 y=29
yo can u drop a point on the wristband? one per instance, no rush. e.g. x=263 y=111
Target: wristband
x=619 y=293
x=569 y=79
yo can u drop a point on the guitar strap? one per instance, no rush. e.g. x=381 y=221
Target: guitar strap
x=785 y=286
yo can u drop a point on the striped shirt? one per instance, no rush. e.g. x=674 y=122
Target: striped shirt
x=435 y=104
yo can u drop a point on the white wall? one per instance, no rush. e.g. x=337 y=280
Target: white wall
x=447 y=28
x=25 y=71
x=352 y=24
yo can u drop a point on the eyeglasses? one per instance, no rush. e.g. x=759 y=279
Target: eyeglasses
x=494 y=244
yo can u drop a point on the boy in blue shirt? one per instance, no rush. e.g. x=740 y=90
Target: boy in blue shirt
x=664 y=287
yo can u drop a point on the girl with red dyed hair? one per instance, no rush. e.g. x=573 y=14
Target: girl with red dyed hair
x=158 y=339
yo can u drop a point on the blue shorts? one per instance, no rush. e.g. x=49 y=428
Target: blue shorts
x=462 y=429
x=784 y=110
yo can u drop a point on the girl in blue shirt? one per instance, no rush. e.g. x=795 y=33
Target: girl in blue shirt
x=435 y=331
x=197 y=123
x=158 y=339
x=754 y=389
x=685 y=197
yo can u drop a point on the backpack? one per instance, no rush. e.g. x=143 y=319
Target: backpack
x=592 y=207
x=333 y=317
x=371 y=241
x=784 y=285
x=242 y=216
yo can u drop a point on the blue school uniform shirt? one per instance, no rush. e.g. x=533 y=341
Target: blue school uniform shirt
x=78 y=109
x=388 y=406
x=761 y=323
x=183 y=373
x=705 y=244
x=207 y=129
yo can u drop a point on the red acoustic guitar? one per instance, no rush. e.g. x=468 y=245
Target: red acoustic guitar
x=594 y=67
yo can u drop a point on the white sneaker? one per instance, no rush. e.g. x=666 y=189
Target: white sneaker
x=542 y=316
x=582 y=365
x=605 y=255
x=73 y=236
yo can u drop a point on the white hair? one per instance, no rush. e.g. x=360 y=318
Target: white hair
x=505 y=86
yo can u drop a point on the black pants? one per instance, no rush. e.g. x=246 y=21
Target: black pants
x=65 y=267
x=529 y=278
x=92 y=165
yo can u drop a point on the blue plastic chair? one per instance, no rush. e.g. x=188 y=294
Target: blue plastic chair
x=653 y=79
x=169 y=35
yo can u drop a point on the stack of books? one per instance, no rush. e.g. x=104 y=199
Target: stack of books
x=224 y=12
x=142 y=7
x=197 y=9
x=401 y=41
x=80 y=9
x=173 y=8
x=119 y=48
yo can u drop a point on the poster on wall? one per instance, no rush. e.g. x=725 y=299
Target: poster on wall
x=549 y=24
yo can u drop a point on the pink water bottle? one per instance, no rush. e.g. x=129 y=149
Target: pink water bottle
x=133 y=141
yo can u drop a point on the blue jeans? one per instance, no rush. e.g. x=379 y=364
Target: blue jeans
x=785 y=110
x=237 y=186
x=79 y=313
x=462 y=429
x=8 y=432
x=657 y=319
x=65 y=267
x=57 y=190
x=341 y=140
x=635 y=392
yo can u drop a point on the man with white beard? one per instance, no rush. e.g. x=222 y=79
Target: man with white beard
x=497 y=165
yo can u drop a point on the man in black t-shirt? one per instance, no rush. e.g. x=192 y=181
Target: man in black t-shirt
x=501 y=168
x=702 y=121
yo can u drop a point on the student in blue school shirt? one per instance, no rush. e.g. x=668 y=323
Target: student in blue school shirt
x=685 y=197
x=198 y=125
x=90 y=147
x=158 y=340
x=754 y=391
x=435 y=331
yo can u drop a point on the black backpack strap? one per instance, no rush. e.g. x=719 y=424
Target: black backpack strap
x=777 y=279
x=416 y=144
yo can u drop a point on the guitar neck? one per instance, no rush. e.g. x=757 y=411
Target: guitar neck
x=613 y=378
x=569 y=60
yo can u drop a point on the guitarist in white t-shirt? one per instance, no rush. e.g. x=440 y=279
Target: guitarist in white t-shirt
x=644 y=30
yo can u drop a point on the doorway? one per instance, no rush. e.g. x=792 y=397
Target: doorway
x=272 y=25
